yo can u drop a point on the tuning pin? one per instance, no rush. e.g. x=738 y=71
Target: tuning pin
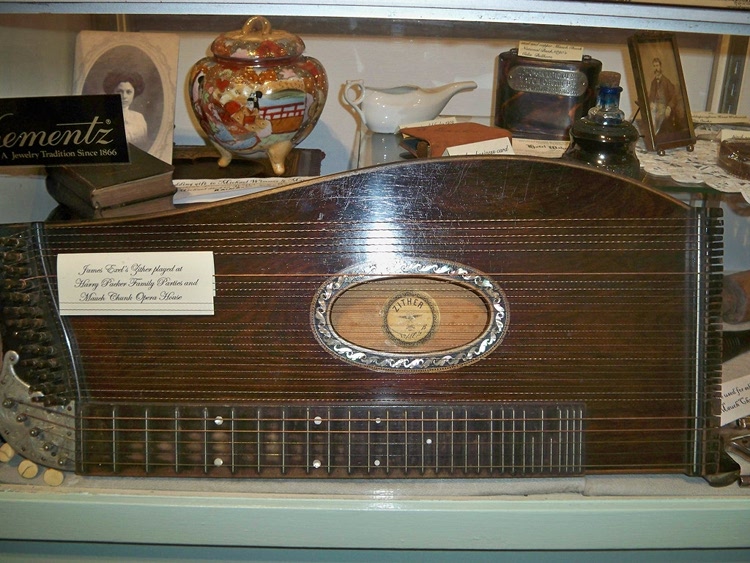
x=11 y=257
x=37 y=350
x=22 y=298
x=53 y=477
x=11 y=242
x=23 y=312
x=6 y=453
x=47 y=387
x=52 y=400
x=16 y=271
x=32 y=335
x=28 y=469
x=25 y=323
x=38 y=364
x=15 y=284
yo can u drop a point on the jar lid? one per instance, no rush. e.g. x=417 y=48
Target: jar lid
x=257 y=41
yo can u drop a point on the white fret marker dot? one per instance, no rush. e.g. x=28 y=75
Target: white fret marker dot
x=377 y=462
x=318 y=421
x=377 y=420
x=218 y=462
x=429 y=440
x=218 y=421
x=316 y=463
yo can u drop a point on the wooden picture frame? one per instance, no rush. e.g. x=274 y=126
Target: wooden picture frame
x=106 y=60
x=661 y=93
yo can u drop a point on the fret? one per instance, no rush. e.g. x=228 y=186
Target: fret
x=511 y=423
x=349 y=442
x=479 y=453
x=421 y=418
x=258 y=442
x=283 y=441
x=176 y=439
x=453 y=442
x=406 y=441
x=388 y=442
x=541 y=440
x=308 y=461
x=568 y=442
x=437 y=441
x=146 y=448
x=115 y=458
x=328 y=440
x=580 y=439
x=523 y=441
x=369 y=442
x=204 y=440
x=466 y=444
x=551 y=453
x=492 y=441
x=559 y=438
x=502 y=441
x=232 y=441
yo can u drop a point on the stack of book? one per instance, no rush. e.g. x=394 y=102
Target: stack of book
x=114 y=190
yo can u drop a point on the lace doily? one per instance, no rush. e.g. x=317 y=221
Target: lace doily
x=699 y=167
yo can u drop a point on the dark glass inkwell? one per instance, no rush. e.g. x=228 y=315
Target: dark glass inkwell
x=603 y=138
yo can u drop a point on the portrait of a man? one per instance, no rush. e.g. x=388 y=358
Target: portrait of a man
x=661 y=91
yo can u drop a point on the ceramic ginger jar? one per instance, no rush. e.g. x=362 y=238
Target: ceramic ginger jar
x=258 y=93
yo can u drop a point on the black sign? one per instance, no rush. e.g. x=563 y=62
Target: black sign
x=60 y=130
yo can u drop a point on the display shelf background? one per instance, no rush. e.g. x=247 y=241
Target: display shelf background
x=39 y=53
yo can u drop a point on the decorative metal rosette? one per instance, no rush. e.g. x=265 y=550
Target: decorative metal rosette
x=419 y=348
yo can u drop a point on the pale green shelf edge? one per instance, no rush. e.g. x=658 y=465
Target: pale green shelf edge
x=488 y=524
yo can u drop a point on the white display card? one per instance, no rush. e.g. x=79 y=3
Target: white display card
x=735 y=399
x=136 y=283
x=550 y=51
x=493 y=146
x=217 y=189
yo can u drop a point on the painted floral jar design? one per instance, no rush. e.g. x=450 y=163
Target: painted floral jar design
x=257 y=93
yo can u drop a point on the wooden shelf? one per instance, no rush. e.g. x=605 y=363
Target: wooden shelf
x=669 y=15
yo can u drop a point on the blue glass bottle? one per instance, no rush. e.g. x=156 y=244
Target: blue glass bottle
x=603 y=138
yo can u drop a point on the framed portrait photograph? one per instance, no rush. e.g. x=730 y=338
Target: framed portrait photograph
x=661 y=93
x=142 y=68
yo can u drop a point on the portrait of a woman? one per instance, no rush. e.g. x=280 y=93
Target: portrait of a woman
x=142 y=69
x=129 y=85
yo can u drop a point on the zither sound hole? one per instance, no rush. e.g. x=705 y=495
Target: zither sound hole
x=441 y=315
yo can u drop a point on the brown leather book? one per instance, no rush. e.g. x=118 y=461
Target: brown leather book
x=73 y=207
x=108 y=185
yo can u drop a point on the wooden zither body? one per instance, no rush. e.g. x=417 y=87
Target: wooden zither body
x=462 y=317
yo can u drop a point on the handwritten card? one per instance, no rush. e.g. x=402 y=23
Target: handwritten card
x=217 y=189
x=735 y=399
x=721 y=118
x=727 y=134
x=136 y=283
x=545 y=148
x=493 y=146
x=550 y=51
x=437 y=121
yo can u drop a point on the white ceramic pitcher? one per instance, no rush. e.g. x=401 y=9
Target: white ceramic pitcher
x=384 y=110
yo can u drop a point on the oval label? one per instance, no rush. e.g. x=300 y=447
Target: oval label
x=410 y=315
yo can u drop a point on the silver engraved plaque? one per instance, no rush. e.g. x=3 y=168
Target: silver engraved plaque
x=558 y=82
